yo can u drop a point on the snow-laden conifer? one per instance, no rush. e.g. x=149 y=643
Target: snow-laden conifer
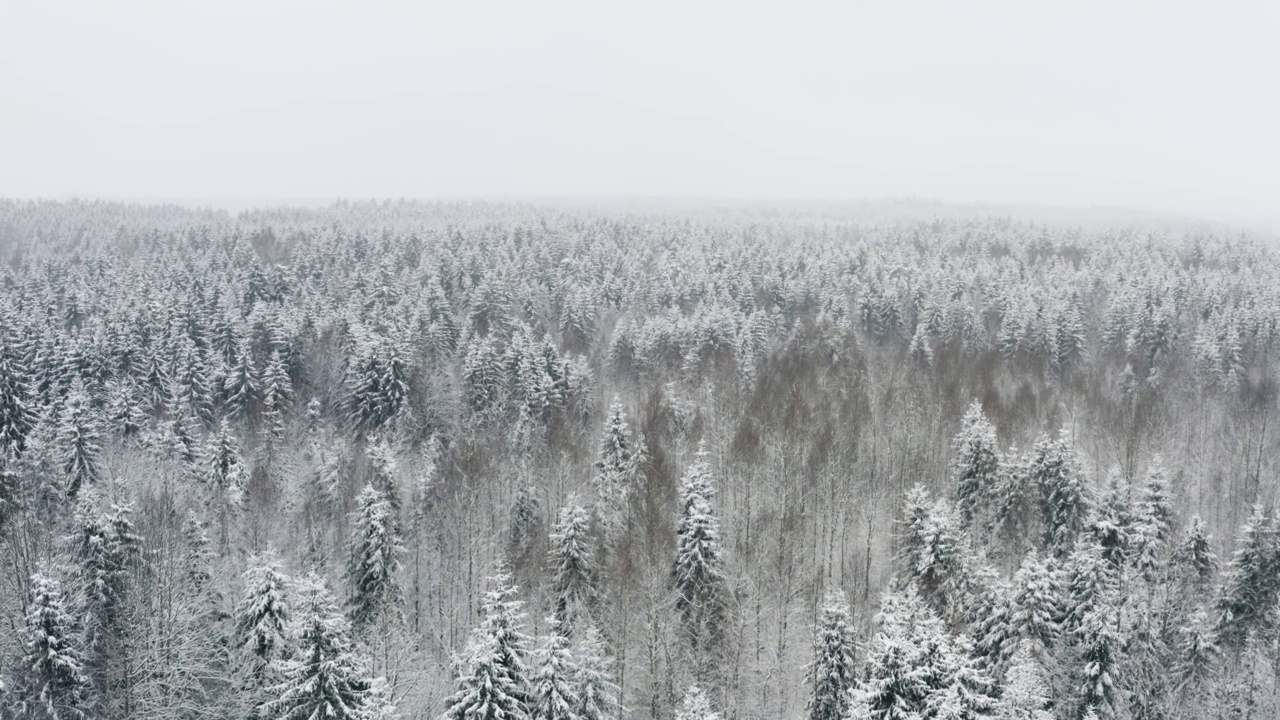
x=554 y=694
x=493 y=677
x=325 y=678
x=54 y=684
x=975 y=463
x=594 y=684
x=832 y=674
x=573 y=565
x=373 y=569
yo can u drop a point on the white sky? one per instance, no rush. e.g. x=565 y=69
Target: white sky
x=1166 y=105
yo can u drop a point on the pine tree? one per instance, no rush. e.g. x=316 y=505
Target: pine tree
x=1037 y=602
x=993 y=628
x=1109 y=524
x=904 y=661
x=554 y=694
x=55 y=684
x=574 y=578
x=224 y=471
x=1252 y=581
x=596 y=691
x=614 y=466
x=241 y=386
x=1194 y=560
x=698 y=571
x=79 y=439
x=833 y=674
x=106 y=547
x=1100 y=645
x=930 y=553
x=1197 y=656
x=17 y=416
x=1090 y=579
x=374 y=568
x=262 y=616
x=325 y=679
x=1063 y=491
x=1026 y=694
x=964 y=691
x=493 y=682
x=1152 y=525
x=975 y=467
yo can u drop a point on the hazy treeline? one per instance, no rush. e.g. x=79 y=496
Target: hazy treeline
x=497 y=461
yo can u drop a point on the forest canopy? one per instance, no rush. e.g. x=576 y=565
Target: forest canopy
x=501 y=461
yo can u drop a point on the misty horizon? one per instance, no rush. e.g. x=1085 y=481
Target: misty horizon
x=243 y=105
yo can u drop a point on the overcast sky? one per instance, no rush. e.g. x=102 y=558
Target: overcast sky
x=1166 y=106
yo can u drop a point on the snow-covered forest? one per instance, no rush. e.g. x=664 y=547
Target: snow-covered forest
x=487 y=461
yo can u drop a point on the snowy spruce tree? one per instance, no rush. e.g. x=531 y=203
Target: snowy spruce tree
x=79 y=439
x=975 y=464
x=1064 y=493
x=573 y=565
x=554 y=694
x=373 y=569
x=832 y=674
x=1252 y=581
x=614 y=467
x=1026 y=694
x=493 y=678
x=262 y=616
x=698 y=571
x=54 y=682
x=324 y=678
x=17 y=416
x=593 y=682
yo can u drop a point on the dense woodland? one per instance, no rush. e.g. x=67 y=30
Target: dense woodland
x=484 y=461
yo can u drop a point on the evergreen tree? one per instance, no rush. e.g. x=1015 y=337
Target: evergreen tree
x=1064 y=495
x=106 y=547
x=493 y=682
x=931 y=555
x=1194 y=560
x=224 y=471
x=325 y=679
x=614 y=466
x=17 y=416
x=1037 y=602
x=241 y=386
x=1090 y=579
x=55 y=684
x=262 y=616
x=554 y=694
x=698 y=571
x=832 y=674
x=1152 y=525
x=1110 y=521
x=377 y=385
x=79 y=439
x=374 y=567
x=1100 y=644
x=1026 y=694
x=596 y=691
x=898 y=677
x=573 y=567
x=1197 y=657
x=1252 y=582
x=964 y=691
x=975 y=463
